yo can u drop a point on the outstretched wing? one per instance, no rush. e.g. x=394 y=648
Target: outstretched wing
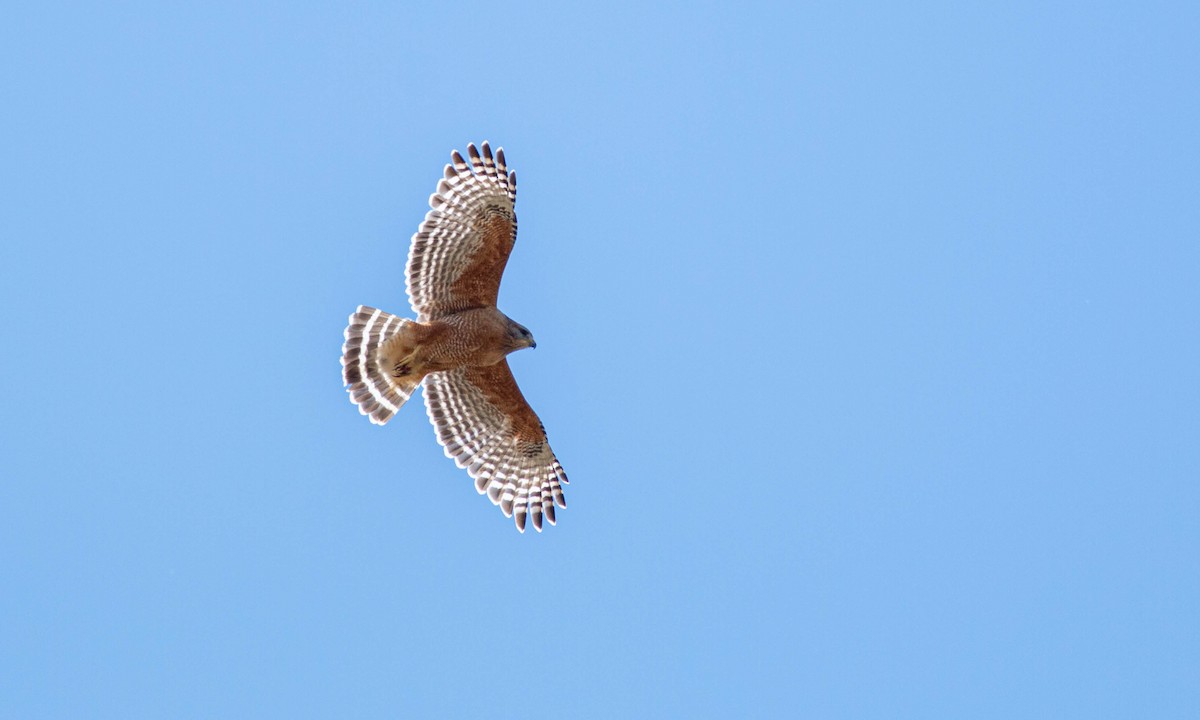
x=459 y=252
x=486 y=427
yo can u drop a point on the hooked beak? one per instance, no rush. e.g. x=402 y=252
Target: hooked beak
x=532 y=343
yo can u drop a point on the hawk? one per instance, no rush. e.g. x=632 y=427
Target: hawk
x=457 y=346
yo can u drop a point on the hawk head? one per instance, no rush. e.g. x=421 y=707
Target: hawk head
x=519 y=336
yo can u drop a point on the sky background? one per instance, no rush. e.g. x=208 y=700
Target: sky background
x=869 y=335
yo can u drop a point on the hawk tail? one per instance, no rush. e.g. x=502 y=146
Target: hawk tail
x=373 y=363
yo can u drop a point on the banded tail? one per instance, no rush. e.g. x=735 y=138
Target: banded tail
x=373 y=368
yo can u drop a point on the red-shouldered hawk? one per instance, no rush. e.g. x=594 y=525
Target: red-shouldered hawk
x=458 y=343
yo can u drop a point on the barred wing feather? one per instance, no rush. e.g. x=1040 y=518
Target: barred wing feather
x=487 y=428
x=459 y=252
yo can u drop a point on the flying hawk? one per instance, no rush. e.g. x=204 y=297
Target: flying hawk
x=458 y=344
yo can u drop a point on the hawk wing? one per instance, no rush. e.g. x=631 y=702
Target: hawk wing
x=486 y=427
x=459 y=252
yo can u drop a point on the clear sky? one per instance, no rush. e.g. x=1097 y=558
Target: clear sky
x=869 y=335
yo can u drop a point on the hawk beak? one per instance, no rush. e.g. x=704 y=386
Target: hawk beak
x=532 y=343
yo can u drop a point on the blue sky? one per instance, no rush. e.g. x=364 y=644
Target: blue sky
x=867 y=333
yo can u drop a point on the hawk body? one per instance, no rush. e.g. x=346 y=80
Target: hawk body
x=458 y=345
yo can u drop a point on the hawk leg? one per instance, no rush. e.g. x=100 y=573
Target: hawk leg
x=403 y=367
